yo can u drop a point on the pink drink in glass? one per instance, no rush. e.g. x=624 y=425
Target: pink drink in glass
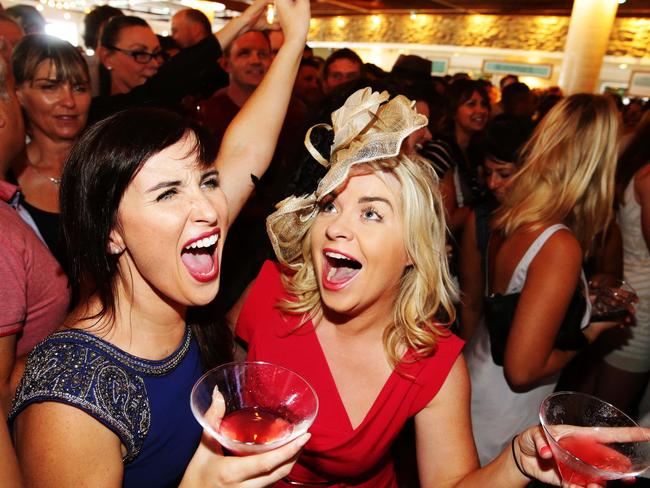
x=591 y=440
x=266 y=406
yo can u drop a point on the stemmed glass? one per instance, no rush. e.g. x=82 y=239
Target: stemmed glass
x=266 y=406
x=591 y=440
x=612 y=299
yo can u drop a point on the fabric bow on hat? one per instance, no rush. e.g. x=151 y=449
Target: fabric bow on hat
x=366 y=128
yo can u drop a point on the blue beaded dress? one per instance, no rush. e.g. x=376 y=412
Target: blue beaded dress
x=145 y=403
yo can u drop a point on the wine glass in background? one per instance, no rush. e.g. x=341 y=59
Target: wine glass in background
x=591 y=440
x=612 y=300
x=267 y=406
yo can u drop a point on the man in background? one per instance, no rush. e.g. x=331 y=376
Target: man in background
x=340 y=67
x=189 y=27
x=246 y=61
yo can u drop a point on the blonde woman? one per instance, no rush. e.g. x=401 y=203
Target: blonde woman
x=357 y=306
x=537 y=313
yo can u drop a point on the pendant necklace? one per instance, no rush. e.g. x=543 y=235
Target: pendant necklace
x=54 y=181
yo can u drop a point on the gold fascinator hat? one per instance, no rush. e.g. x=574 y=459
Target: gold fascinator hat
x=368 y=127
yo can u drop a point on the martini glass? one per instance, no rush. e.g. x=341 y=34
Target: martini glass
x=267 y=406
x=591 y=440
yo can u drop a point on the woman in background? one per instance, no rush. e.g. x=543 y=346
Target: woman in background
x=537 y=311
x=53 y=88
x=625 y=371
x=456 y=152
x=130 y=52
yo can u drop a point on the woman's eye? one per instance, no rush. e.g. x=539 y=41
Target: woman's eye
x=80 y=88
x=48 y=87
x=166 y=195
x=210 y=183
x=371 y=214
x=328 y=207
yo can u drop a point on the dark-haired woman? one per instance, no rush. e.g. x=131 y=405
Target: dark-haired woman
x=53 y=88
x=105 y=401
x=132 y=73
x=130 y=53
x=455 y=153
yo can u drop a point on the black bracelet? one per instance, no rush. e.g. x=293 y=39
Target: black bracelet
x=514 y=457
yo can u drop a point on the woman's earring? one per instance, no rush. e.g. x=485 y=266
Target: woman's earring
x=114 y=249
x=109 y=68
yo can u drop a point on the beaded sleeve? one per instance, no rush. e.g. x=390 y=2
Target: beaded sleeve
x=81 y=370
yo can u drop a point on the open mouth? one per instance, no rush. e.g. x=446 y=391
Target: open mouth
x=199 y=256
x=339 y=269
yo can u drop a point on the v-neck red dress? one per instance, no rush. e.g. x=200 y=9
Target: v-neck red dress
x=336 y=452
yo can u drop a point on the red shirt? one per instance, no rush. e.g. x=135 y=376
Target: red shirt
x=33 y=287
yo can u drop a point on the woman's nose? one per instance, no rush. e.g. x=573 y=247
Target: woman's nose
x=66 y=96
x=493 y=181
x=204 y=210
x=338 y=228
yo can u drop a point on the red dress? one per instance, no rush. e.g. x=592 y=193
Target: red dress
x=336 y=452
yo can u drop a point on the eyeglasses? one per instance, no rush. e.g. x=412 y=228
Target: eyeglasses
x=141 y=57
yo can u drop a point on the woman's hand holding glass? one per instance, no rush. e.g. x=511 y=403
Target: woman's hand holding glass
x=612 y=305
x=210 y=468
x=536 y=458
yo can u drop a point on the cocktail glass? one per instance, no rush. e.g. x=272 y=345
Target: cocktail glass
x=612 y=299
x=266 y=406
x=591 y=440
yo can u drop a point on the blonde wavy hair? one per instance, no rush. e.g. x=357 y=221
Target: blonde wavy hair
x=568 y=171
x=426 y=291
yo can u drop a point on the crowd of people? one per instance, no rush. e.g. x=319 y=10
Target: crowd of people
x=423 y=250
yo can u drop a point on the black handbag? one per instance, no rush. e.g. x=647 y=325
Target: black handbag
x=500 y=313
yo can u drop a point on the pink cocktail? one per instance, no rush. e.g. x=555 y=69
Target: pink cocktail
x=266 y=406
x=592 y=441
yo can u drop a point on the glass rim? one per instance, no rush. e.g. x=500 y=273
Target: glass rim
x=585 y=395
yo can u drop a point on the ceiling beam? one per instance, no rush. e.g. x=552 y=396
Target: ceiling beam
x=454 y=6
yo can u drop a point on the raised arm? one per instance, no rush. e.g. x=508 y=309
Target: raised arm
x=238 y=25
x=250 y=140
